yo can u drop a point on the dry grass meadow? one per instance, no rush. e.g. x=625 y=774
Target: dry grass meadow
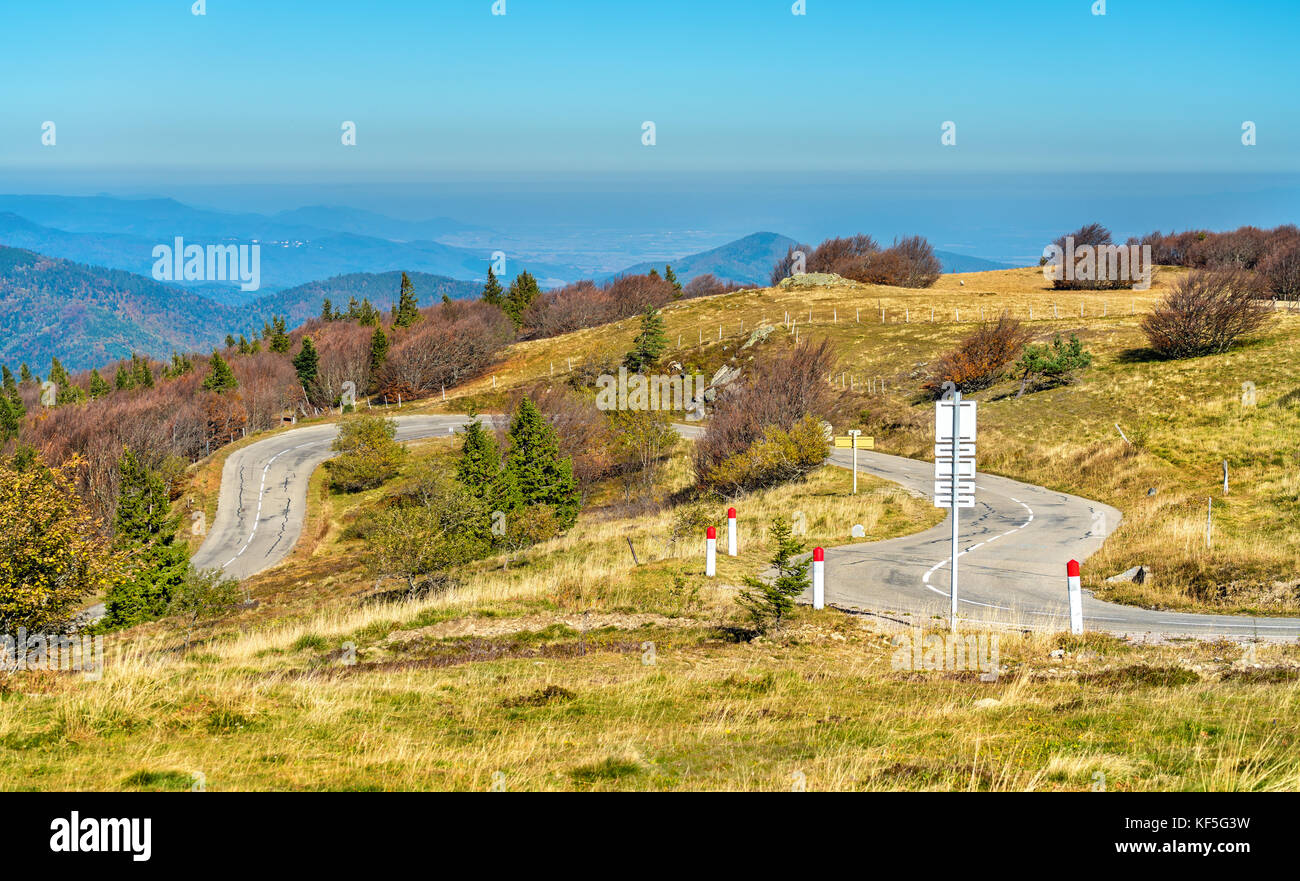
x=576 y=668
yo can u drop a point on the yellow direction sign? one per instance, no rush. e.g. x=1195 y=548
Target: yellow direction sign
x=864 y=443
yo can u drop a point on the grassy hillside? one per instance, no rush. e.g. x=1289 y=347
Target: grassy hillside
x=578 y=668
x=1184 y=418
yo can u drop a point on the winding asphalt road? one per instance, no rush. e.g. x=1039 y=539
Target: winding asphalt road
x=1014 y=543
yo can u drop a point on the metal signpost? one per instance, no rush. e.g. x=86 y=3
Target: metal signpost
x=954 y=469
x=853 y=433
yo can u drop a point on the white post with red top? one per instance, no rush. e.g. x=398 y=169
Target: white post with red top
x=1076 y=596
x=711 y=552
x=819 y=578
x=731 y=532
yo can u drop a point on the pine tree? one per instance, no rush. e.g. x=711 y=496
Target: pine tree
x=534 y=464
x=181 y=365
x=12 y=409
x=353 y=314
x=146 y=528
x=98 y=387
x=671 y=278
x=280 y=341
x=523 y=290
x=492 y=293
x=142 y=372
x=65 y=391
x=649 y=344
x=230 y=341
x=367 y=314
x=771 y=602
x=307 y=363
x=378 y=355
x=408 y=309
x=244 y=347
x=327 y=310
x=25 y=373
x=220 y=377
x=480 y=471
x=123 y=380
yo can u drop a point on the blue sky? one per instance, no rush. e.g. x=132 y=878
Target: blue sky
x=255 y=89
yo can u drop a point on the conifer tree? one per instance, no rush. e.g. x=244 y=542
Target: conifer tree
x=769 y=603
x=244 y=347
x=523 y=290
x=25 y=373
x=142 y=372
x=65 y=391
x=408 y=309
x=327 y=310
x=123 y=379
x=367 y=314
x=492 y=293
x=230 y=341
x=12 y=408
x=378 y=355
x=98 y=387
x=649 y=344
x=671 y=278
x=147 y=530
x=534 y=465
x=307 y=364
x=220 y=377
x=280 y=341
x=480 y=471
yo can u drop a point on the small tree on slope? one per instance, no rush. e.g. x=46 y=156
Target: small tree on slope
x=769 y=603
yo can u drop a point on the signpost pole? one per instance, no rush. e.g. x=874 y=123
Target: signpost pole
x=853 y=433
x=956 y=439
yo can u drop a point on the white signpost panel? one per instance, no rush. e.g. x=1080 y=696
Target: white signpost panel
x=954 y=470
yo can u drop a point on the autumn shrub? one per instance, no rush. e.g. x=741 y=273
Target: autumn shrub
x=981 y=359
x=779 y=389
x=1280 y=271
x=52 y=554
x=1205 y=313
x=908 y=263
x=779 y=456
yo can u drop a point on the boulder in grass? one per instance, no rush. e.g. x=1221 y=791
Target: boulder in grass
x=1137 y=575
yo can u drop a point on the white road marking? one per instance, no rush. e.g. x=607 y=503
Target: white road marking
x=261 y=492
x=925 y=579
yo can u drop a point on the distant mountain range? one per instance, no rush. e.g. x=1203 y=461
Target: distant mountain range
x=88 y=316
x=296 y=246
x=76 y=272
x=320 y=241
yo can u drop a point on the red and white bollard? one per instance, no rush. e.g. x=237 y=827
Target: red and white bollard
x=731 y=532
x=1076 y=596
x=819 y=578
x=711 y=552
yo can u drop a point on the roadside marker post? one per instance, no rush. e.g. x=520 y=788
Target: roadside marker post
x=954 y=470
x=711 y=552
x=1076 y=597
x=731 y=532
x=819 y=578
x=853 y=433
